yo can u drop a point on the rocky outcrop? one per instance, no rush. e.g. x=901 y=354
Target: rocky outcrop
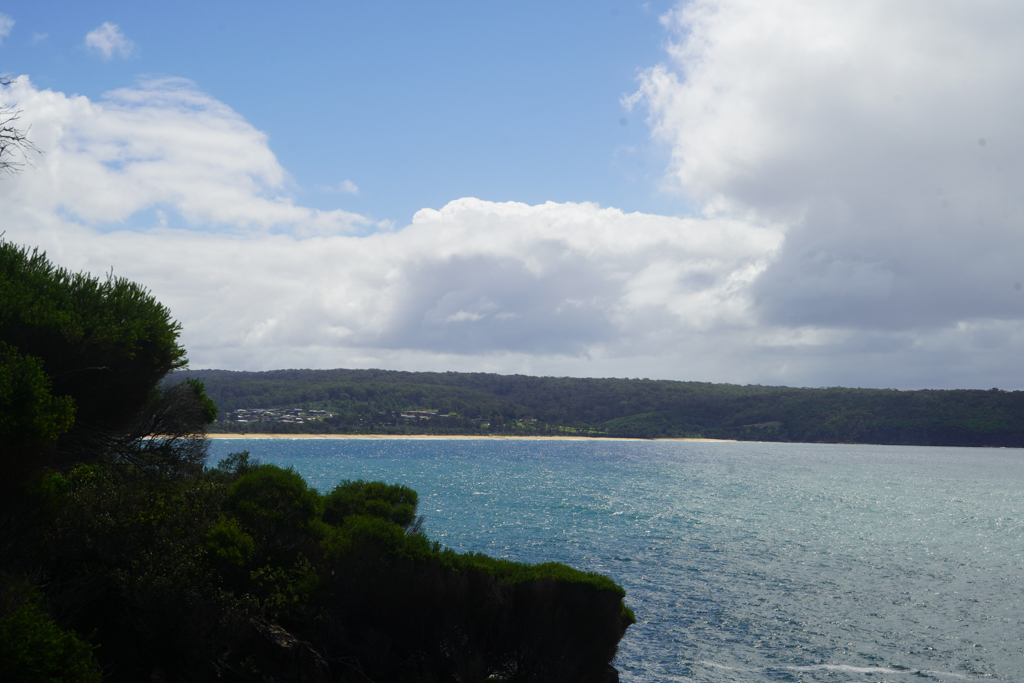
x=270 y=654
x=292 y=659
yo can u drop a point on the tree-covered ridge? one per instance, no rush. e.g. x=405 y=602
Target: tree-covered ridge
x=478 y=403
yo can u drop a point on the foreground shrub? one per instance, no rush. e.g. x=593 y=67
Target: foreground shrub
x=227 y=546
x=33 y=649
x=405 y=607
x=126 y=561
x=391 y=502
x=471 y=626
x=271 y=500
x=187 y=579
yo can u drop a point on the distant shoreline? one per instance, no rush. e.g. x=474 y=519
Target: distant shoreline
x=442 y=437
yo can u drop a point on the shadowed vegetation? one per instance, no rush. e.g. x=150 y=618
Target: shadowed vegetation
x=124 y=557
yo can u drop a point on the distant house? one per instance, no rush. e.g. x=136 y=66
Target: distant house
x=419 y=414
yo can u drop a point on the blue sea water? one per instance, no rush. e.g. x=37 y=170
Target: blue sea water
x=742 y=561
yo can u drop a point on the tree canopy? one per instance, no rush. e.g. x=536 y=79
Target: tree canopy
x=86 y=353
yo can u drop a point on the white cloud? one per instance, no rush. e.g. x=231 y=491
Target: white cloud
x=885 y=136
x=275 y=284
x=39 y=37
x=163 y=143
x=6 y=24
x=476 y=279
x=854 y=228
x=108 y=40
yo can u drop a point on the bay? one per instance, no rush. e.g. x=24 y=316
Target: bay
x=743 y=561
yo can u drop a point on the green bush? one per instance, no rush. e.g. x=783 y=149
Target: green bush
x=228 y=546
x=126 y=558
x=463 y=617
x=103 y=343
x=269 y=499
x=391 y=502
x=28 y=412
x=285 y=591
x=178 y=569
x=369 y=538
x=408 y=607
x=34 y=649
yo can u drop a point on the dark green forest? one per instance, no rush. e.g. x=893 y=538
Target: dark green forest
x=125 y=556
x=372 y=401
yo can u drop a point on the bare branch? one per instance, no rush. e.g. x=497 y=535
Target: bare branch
x=14 y=142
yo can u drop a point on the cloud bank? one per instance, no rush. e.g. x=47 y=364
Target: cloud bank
x=884 y=136
x=857 y=167
x=266 y=283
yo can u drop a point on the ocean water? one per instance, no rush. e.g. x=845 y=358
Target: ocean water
x=742 y=561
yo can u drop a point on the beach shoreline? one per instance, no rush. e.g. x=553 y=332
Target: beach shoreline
x=443 y=437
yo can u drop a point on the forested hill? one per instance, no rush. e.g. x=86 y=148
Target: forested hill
x=373 y=401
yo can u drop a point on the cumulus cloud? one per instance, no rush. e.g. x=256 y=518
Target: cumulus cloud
x=108 y=40
x=886 y=136
x=6 y=24
x=564 y=278
x=267 y=283
x=856 y=165
x=162 y=143
x=474 y=279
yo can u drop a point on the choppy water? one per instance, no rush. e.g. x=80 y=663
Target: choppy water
x=743 y=561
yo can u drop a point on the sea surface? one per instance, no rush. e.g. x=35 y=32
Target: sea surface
x=742 y=561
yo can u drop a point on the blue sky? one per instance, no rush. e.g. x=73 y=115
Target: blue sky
x=797 y=192
x=414 y=103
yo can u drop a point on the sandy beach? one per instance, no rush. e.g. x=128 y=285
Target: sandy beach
x=440 y=437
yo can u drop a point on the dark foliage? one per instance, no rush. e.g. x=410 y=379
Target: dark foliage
x=415 y=613
x=123 y=555
x=395 y=503
x=125 y=559
x=31 y=417
x=33 y=649
x=104 y=345
x=188 y=577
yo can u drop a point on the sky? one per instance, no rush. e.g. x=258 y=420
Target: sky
x=784 y=192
